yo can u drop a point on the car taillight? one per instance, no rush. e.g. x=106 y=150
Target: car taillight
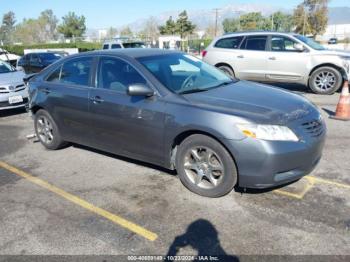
x=204 y=53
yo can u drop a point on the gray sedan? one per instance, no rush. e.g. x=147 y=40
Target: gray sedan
x=175 y=111
x=13 y=92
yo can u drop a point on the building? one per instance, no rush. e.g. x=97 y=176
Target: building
x=339 y=31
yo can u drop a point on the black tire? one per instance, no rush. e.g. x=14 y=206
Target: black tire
x=227 y=178
x=56 y=142
x=331 y=87
x=227 y=70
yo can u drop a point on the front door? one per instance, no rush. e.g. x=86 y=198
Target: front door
x=129 y=125
x=285 y=62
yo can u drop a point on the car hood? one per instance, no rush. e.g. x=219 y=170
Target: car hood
x=254 y=102
x=11 y=78
x=334 y=52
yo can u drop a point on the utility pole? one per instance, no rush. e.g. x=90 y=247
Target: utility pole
x=216 y=20
x=272 y=23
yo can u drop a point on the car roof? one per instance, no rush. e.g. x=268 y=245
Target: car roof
x=257 y=33
x=133 y=52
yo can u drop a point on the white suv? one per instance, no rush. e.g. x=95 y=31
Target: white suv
x=279 y=57
x=116 y=44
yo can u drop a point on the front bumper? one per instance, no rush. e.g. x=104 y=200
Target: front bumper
x=264 y=164
x=4 y=99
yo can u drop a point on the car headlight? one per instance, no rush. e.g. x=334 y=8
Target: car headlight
x=268 y=132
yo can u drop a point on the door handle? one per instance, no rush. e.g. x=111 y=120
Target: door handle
x=272 y=58
x=240 y=56
x=96 y=100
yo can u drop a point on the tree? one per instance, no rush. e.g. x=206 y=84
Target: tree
x=169 y=28
x=318 y=15
x=48 y=25
x=7 y=27
x=112 y=32
x=183 y=26
x=281 y=22
x=126 y=31
x=254 y=21
x=231 y=25
x=249 y=21
x=311 y=17
x=150 y=30
x=28 y=31
x=72 y=25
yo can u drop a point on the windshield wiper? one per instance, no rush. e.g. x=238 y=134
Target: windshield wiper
x=189 y=91
x=222 y=84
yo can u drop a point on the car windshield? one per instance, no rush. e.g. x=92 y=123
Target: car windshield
x=49 y=56
x=182 y=73
x=6 y=68
x=310 y=42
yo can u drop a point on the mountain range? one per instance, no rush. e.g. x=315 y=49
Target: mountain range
x=203 y=18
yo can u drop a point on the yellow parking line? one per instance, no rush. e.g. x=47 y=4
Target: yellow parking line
x=300 y=195
x=326 y=181
x=286 y=193
x=312 y=180
x=76 y=200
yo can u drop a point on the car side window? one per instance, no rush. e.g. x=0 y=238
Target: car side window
x=76 y=71
x=229 y=42
x=105 y=46
x=34 y=58
x=256 y=43
x=282 y=44
x=116 y=46
x=55 y=75
x=116 y=74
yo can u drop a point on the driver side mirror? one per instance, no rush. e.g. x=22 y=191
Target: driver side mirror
x=140 y=90
x=299 y=47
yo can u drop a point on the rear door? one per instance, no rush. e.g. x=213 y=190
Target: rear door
x=285 y=62
x=252 y=58
x=130 y=125
x=66 y=91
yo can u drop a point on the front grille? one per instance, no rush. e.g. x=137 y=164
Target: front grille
x=3 y=90
x=20 y=88
x=315 y=128
x=6 y=103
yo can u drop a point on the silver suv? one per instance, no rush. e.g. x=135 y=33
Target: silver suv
x=279 y=57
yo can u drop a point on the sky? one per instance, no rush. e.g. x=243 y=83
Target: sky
x=106 y=13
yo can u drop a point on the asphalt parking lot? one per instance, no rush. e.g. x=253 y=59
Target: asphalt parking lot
x=81 y=201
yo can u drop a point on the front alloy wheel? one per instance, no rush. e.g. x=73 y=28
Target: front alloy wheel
x=325 y=80
x=205 y=167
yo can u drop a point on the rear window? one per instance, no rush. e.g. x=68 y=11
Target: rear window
x=257 y=43
x=229 y=43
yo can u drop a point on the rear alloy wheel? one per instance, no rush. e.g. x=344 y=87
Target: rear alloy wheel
x=46 y=130
x=227 y=70
x=325 y=80
x=205 y=167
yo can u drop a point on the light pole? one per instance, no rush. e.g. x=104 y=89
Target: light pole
x=216 y=20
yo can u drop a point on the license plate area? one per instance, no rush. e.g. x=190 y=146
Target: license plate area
x=15 y=99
